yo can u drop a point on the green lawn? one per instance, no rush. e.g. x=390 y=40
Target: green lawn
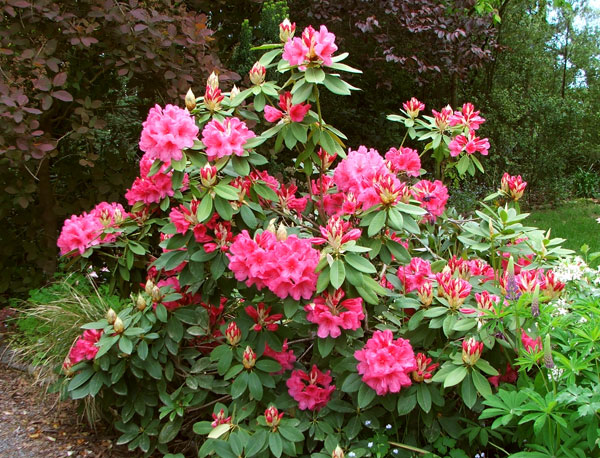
x=574 y=221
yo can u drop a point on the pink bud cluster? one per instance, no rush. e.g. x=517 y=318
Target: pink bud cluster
x=286 y=267
x=513 y=186
x=263 y=318
x=425 y=368
x=471 y=351
x=337 y=233
x=413 y=107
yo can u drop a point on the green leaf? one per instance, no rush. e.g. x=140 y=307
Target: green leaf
x=325 y=345
x=226 y=191
x=275 y=444
x=248 y=217
x=481 y=384
x=406 y=403
x=240 y=165
x=125 y=345
x=170 y=430
x=161 y=313
x=268 y=365
x=484 y=366
x=105 y=345
x=344 y=68
x=463 y=164
x=314 y=75
x=239 y=385
x=323 y=279
x=80 y=379
x=301 y=92
x=337 y=273
x=255 y=385
x=365 y=395
x=336 y=85
x=223 y=208
x=424 y=397
x=224 y=361
x=468 y=392
x=359 y=263
x=352 y=383
x=136 y=248
x=377 y=223
x=142 y=350
x=175 y=329
x=264 y=191
x=395 y=219
x=455 y=377
x=290 y=433
x=256 y=443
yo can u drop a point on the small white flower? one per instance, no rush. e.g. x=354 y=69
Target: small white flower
x=368 y=423
x=370 y=444
x=388 y=426
x=395 y=451
x=598 y=220
x=351 y=454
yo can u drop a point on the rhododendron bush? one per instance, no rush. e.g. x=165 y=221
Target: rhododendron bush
x=345 y=312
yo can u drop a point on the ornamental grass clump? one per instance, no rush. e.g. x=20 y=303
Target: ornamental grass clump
x=296 y=319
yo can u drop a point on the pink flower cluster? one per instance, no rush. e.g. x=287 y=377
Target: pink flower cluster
x=225 y=138
x=467 y=268
x=467 y=117
x=404 y=160
x=415 y=274
x=336 y=233
x=81 y=232
x=312 y=48
x=413 y=107
x=286 y=267
x=433 y=197
x=331 y=313
x=312 y=391
x=294 y=113
x=167 y=132
x=152 y=189
x=531 y=345
x=469 y=143
x=84 y=348
x=385 y=364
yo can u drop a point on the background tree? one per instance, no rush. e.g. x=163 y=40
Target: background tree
x=73 y=74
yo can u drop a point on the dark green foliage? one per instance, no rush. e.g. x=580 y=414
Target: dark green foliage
x=586 y=183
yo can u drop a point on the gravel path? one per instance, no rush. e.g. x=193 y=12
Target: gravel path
x=34 y=425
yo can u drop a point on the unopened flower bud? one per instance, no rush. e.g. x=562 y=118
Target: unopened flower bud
x=111 y=316
x=425 y=294
x=213 y=81
x=535 y=301
x=208 y=175
x=337 y=453
x=472 y=350
x=190 y=100
x=156 y=294
x=281 y=233
x=273 y=417
x=271 y=227
x=249 y=358
x=233 y=334
x=149 y=286
x=118 y=325
x=286 y=30
x=548 y=360
x=257 y=74
x=140 y=302
x=117 y=216
x=234 y=92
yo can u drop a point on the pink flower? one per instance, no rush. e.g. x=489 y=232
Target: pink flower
x=152 y=189
x=284 y=357
x=80 y=232
x=513 y=186
x=414 y=275
x=286 y=267
x=509 y=376
x=468 y=118
x=213 y=97
x=531 y=345
x=295 y=113
x=454 y=289
x=166 y=132
x=424 y=369
x=331 y=313
x=404 y=160
x=433 y=197
x=528 y=279
x=553 y=286
x=337 y=233
x=313 y=47
x=84 y=348
x=220 y=419
x=225 y=138
x=442 y=118
x=471 y=351
x=313 y=390
x=487 y=301
x=412 y=107
x=385 y=364
x=469 y=143
x=261 y=316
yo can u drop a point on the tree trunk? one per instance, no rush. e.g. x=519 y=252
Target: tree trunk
x=48 y=217
x=565 y=56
